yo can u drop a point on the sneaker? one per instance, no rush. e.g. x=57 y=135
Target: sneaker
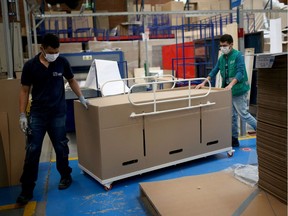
x=65 y=182
x=23 y=199
x=235 y=142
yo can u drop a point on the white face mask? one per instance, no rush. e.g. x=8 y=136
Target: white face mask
x=225 y=50
x=51 y=57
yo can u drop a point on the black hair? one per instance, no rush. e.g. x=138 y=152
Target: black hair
x=51 y=40
x=226 y=38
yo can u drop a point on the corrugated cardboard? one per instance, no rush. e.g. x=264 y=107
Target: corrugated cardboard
x=272 y=126
x=82 y=22
x=129 y=48
x=174 y=6
x=111 y=143
x=4 y=163
x=265 y=205
x=13 y=139
x=210 y=194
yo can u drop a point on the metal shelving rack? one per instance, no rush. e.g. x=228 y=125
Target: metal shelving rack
x=7 y=34
x=32 y=14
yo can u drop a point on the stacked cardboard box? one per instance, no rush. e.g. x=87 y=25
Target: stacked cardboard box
x=174 y=6
x=134 y=51
x=272 y=125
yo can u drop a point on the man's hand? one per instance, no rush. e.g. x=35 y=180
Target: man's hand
x=84 y=101
x=23 y=122
x=231 y=84
x=201 y=85
x=229 y=87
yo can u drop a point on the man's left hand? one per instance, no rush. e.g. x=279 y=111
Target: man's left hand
x=229 y=87
x=84 y=101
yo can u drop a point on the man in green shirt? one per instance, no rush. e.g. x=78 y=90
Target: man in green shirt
x=234 y=77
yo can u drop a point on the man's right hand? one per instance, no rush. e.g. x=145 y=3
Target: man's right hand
x=201 y=85
x=23 y=122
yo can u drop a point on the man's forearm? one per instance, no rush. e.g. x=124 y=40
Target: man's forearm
x=75 y=87
x=23 y=100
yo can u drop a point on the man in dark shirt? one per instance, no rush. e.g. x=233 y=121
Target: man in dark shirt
x=43 y=75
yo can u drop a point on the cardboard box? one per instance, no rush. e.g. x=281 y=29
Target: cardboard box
x=102 y=22
x=111 y=144
x=129 y=48
x=12 y=139
x=158 y=7
x=174 y=6
x=81 y=22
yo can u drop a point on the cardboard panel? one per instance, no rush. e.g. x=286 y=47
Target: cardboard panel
x=122 y=150
x=265 y=205
x=172 y=136
x=88 y=137
x=232 y=29
x=16 y=139
x=4 y=130
x=191 y=195
x=3 y=165
x=214 y=136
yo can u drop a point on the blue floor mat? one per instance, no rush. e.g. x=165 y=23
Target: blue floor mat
x=88 y=197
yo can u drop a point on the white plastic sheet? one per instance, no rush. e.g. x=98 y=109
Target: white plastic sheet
x=102 y=71
x=247 y=173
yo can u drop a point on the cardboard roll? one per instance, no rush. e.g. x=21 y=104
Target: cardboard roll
x=70 y=3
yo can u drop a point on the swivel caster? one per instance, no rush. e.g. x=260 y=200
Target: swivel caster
x=108 y=187
x=230 y=153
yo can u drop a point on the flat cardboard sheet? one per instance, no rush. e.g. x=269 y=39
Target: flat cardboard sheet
x=5 y=169
x=210 y=194
x=12 y=136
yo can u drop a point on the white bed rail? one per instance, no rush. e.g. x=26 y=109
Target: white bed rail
x=155 y=78
x=154 y=102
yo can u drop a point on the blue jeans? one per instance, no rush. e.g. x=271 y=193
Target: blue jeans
x=38 y=126
x=240 y=107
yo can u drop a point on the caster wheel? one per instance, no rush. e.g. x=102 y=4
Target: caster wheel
x=230 y=153
x=107 y=187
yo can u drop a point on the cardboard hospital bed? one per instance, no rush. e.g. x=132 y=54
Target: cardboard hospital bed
x=125 y=135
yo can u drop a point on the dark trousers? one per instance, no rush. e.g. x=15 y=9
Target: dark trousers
x=38 y=126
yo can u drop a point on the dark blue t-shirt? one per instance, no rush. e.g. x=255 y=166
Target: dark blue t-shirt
x=48 y=93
